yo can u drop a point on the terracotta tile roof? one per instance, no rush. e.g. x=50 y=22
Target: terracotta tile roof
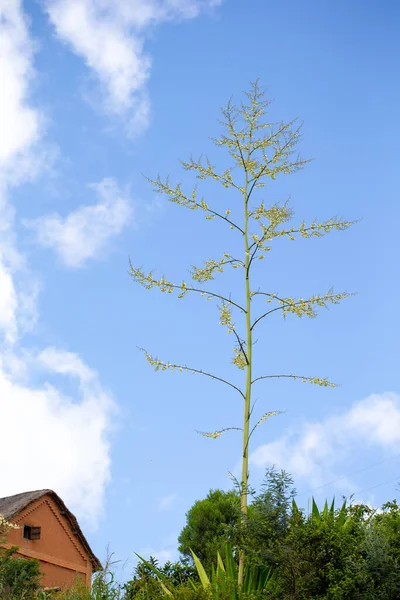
x=12 y=505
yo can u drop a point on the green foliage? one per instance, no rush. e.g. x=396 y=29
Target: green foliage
x=222 y=584
x=208 y=526
x=19 y=577
x=224 y=578
x=336 y=552
x=145 y=582
x=343 y=552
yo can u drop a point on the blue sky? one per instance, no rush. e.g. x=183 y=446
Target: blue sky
x=94 y=94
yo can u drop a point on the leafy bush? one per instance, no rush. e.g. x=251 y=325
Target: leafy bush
x=223 y=583
x=19 y=577
x=145 y=583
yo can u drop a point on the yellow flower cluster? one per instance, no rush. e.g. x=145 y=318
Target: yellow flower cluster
x=211 y=266
x=316 y=381
x=262 y=149
x=225 y=317
x=207 y=274
x=271 y=218
x=216 y=434
x=276 y=214
x=175 y=194
x=159 y=365
x=268 y=415
x=213 y=435
x=208 y=170
x=301 y=307
x=239 y=359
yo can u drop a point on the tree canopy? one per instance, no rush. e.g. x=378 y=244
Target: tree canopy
x=209 y=525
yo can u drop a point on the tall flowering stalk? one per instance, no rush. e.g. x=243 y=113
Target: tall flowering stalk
x=259 y=151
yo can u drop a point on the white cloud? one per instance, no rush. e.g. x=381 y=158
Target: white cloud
x=162 y=556
x=65 y=363
x=110 y=35
x=83 y=234
x=20 y=158
x=167 y=502
x=62 y=441
x=315 y=450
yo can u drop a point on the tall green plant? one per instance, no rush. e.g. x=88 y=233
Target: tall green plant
x=259 y=151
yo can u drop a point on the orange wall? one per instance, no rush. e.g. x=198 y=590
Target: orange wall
x=59 y=551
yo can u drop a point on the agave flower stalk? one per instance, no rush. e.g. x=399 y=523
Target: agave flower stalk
x=259 y=151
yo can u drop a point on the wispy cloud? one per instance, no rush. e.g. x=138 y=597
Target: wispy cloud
x=166 y=502
x=85 y=232
x=110 y=35
x=162 y=555
x=315 y=451
x=65 y=363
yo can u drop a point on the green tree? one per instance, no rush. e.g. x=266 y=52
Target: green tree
x=209 y=524
x=267 y=522
x=259 y=151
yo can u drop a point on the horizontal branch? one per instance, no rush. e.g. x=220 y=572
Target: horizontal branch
x=216 y=434
x=176 y=196
x=303 y=378
x=201 y=275
x=148 y=282
x=300 y=307
x=160 y=365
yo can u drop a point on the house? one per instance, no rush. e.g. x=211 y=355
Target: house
x=50 y=533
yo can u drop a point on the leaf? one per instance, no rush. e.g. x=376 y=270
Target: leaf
x=164 y=581
x=295 y=508
x=201 y=572
x=265 y=577
x=165 y=589
x=341 y=520
x=220 y=563
x=231 y=569
x=332 y=509
x=315 y=512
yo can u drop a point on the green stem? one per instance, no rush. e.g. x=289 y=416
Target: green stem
x=247 y=400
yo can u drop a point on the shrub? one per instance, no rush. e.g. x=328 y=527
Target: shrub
x=19 y=577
